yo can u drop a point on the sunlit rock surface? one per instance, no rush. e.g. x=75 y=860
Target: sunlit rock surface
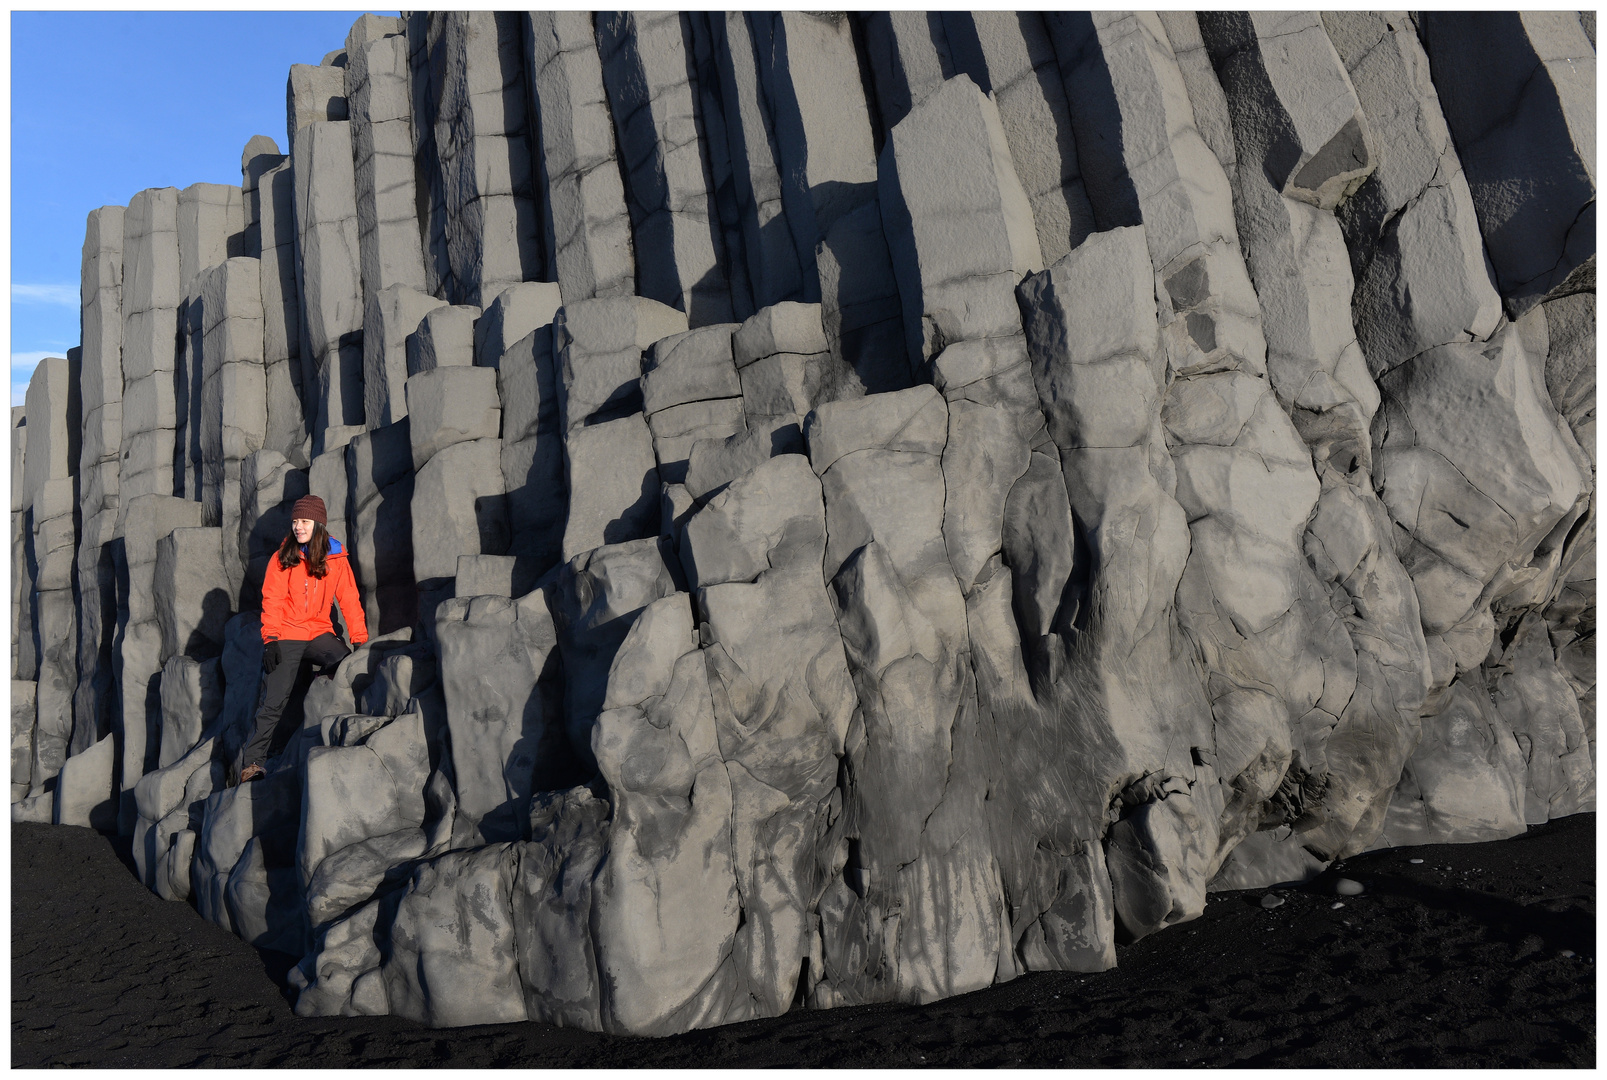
x=848 y=508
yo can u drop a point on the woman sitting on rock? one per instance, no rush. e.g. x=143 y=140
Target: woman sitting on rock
x=309 y=571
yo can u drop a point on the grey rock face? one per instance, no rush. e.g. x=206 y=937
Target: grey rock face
x=482 y=187
x=645 y=74
x=848 y=507
x=957 y=266
x=1465 y=781
x=234 y=403
x=449 y=406
x=380 y=108
x=599 y=345
x=1011 y=56
x=532 y=448
x=504 y=703
x=742 y=133
x=1411 y=227
x=1296 y=255
x=23 y=718
x=313 y=93
x=1293 y=246
x=459 y=508
x=260 y=155
x=328 y=270
x=144 y=520
x=592 y=254
x=192 y=605
x=99 y=472
x=50 y=542
x=444 y=338
x=514 y=313
x=85 y=792
x=1537 y=73
x=151 y=298
x=380 y=527
x=391 y=315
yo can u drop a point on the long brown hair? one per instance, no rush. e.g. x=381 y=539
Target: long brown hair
x=317 y=551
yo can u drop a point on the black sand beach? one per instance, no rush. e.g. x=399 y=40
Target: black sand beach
x=1481 y=955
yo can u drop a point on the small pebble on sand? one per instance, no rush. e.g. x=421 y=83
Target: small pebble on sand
x=1346 y=887
x=1271 y=901
x=1566 y=954
x=1415 y=862
x=1336 y=905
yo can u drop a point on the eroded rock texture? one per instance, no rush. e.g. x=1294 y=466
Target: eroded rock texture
x=849 y=508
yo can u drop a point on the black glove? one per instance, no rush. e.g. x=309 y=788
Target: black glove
x=270 y=657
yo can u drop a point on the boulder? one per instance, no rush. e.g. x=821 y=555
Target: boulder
x=358 y=793
x=694 y=366
x=1465 y=782
x=313 y=93
x=85 y=792
x=444 y=338
x=612 y=476
x=1469 y=512
x=511 y=316
x=511 y=576
x=453 y=954
x=504 y=702
x=596 y=597
x=532 y=448
x=656 y=747
x=192 y=596
x=192 y=698
x=459 y=507
x=23 y=716
x=599 y=346
x=448 y=406
x=390 y=315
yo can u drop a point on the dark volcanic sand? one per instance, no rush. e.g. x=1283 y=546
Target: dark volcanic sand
x=1456 y=962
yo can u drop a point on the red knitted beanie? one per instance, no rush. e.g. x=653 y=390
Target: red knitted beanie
x=311 y=508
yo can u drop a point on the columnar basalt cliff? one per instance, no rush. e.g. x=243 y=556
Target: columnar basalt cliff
x=850 y=508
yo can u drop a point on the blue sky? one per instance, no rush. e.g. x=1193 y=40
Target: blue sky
x=105 y=104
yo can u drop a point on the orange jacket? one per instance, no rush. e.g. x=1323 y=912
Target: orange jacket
x=295 y=605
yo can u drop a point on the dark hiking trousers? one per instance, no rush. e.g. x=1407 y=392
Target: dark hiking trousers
x=325 y=651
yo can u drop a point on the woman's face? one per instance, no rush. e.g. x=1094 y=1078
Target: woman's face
x=302 y=527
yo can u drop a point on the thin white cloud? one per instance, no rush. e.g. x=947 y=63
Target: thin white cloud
x=66 y=295
x=22 y=365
